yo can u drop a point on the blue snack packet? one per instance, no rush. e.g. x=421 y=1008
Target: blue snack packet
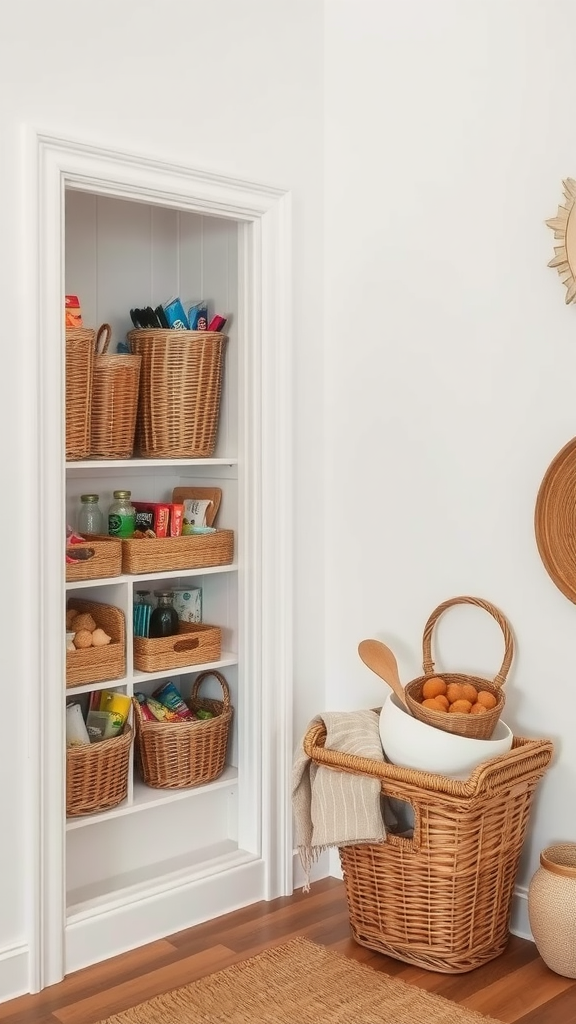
x=198 y=317
x=175 y=315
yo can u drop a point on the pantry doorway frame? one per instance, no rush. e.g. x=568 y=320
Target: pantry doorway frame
x=52 y=163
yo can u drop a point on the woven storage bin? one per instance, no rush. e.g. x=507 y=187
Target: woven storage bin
x=106 y=561
x=114 y=401
x=95 y=664
x=180 y=388
x=194 y=643
x=175 y=755
x=196 y=551
x=478 y=726
x=442 y=899
x=79 y=379
x=97 y=775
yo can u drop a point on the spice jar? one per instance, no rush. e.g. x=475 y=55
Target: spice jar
x=121 y=515
x=164 y=618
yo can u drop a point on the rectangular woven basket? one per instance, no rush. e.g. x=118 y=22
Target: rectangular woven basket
x=441 y=899
x=97 y=775
x=180 y=390
x=176 y=755
x=79 y=380
x=95 y=664
x=194 y=643
x=196 y=551
x=106 y=561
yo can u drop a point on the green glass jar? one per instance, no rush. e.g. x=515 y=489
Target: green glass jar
x=121 y=515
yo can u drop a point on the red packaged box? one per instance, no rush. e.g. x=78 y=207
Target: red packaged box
x=176 y=517
x=152 y=515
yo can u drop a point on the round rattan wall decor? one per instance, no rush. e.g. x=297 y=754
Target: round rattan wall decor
x=555 y=520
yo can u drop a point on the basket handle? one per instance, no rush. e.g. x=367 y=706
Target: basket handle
x=217 y=675
x=105 y=332
x=501 y=619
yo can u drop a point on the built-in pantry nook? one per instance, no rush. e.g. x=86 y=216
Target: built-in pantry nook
x=167 y=855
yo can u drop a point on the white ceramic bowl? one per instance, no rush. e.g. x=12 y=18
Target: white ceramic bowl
x=409 y=743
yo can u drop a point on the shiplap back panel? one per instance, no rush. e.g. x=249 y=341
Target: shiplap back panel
x=121 y=254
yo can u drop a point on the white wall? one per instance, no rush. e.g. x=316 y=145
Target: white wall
x=450 y=355
x=233 y=87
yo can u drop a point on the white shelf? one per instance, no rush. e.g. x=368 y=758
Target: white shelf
x=102 y=581
x=84 y=464
x=108 y=684
x=145 y=798
x=207 y=860
x=228 y=658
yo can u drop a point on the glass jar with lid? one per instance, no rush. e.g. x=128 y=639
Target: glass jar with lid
x=89 y=519
x=164 y=618
x=121 y=515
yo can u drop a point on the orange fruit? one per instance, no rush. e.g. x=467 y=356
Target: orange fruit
x=469 y=692
x=443 y=700
x=460 y=707
x=487 y=699
x=454 y=692
x=433 y=704
x=433 y=687
x=478 y=709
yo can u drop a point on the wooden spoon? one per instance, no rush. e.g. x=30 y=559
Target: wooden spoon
x=381 y=660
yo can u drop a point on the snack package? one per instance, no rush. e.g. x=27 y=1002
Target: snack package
x=171 y=698
x=161 y=712
x=146 y=712
x=73 y=313
x=102 y=725
x=198 y=317
x=175 y=315
x=152 y=515
x=176 y=518
x=116 y=704
x=194 y=513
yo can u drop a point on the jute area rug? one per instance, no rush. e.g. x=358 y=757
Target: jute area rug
x=299 y=983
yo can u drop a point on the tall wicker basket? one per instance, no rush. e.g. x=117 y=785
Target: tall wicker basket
x=441 y=899
x=180 y=389
x=97 y=775
x=114 y=401
x=79 y=380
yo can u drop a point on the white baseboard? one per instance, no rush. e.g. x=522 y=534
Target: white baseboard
x=520 y=922
x=14 y=980
x=113 y=929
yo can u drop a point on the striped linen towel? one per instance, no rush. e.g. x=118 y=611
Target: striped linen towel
x=333 y=808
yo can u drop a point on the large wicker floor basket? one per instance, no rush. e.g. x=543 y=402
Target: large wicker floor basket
x=175 y=755
x=441 y=899
x=180 y=389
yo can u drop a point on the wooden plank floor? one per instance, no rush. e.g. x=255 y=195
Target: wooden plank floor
x=516 y=988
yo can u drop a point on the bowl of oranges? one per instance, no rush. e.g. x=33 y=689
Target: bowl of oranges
x=411 y=743
x=456 y=702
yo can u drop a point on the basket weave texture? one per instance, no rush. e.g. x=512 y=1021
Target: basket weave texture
x=97 y=775
x=107 y=560
x=176 y=755
x=95 y=664
x=194 y=643
x=442 y=899
x=554 y=518
x=195 y=551
x=114 y=401
x=474 y=726
x=79 y=381
x=180 y=389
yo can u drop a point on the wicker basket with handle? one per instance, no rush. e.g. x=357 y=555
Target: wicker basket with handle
x=180 y=389
x=476 y=726
x=441 y=899
x=79 y=383
x=176 y=755
x=114 y=400
x=97 y=775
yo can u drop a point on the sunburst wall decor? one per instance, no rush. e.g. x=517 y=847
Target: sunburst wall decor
x=564 y=228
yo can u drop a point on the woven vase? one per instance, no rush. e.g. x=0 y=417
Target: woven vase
x=552 y=908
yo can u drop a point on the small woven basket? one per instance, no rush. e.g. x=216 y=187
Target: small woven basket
x=441 y=898
x=475 y=726
x=180 y=388
x=97 y=775
x=114 y=400
x=79 y=382
x=96 y=664
x=194 y=643
x=176 y=755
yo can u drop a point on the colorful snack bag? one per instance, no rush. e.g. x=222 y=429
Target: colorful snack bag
x=146 y=712
x=217 y=323
x=175 y=315
x=198 y=317
x=171 y=698
x=162 y=713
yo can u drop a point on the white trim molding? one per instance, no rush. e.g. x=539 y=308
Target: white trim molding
x=13 y=971
x=51 y=164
